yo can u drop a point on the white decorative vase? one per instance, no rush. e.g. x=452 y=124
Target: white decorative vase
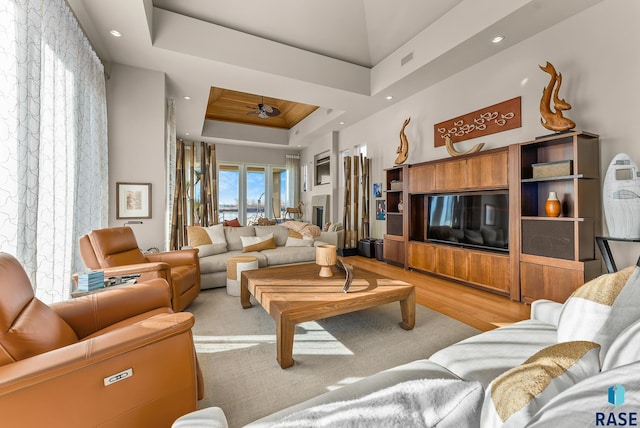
x=621 y=198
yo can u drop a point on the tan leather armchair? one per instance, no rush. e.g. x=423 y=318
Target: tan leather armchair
x=115 y=251
x=117 y=358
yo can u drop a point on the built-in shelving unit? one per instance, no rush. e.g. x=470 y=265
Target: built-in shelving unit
x=558 y=254
x=396 y=227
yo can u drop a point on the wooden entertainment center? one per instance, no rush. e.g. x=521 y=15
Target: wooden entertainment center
x=546 y=257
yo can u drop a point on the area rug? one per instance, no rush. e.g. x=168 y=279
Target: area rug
x=237 y=353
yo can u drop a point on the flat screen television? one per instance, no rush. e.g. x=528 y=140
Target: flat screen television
x=475 y=220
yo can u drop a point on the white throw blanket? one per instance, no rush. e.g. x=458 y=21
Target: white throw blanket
x=416 y=403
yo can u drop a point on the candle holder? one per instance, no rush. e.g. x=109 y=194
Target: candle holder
x=326 y=256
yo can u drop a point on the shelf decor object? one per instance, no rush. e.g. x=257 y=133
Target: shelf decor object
x=553 y=207
x=403 y=148
x=552 y=118
x=453 y=152
x=326 y=256
x=486 y=121
x=621 y=197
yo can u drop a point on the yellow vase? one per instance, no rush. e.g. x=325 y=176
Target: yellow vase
x=553 y=207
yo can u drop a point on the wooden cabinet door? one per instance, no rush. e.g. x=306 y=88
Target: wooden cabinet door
x=489 y=270
x=488 y=170
x=451 y=261
x=422 y=179
x=451 y=175
x=548 y=282
x=393 y=251
x=422 y=256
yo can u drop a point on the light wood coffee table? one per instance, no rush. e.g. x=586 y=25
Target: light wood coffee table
x=295 y=293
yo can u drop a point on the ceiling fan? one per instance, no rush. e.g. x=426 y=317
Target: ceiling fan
x=264 y=111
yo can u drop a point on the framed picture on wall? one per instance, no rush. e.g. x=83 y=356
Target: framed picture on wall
x=381 y=209
x=377 y=190
x=133 y=200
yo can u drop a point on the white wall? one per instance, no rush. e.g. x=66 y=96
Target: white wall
x=596 y=52
x=136 y=115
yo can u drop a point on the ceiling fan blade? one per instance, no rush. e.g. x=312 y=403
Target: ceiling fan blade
x=274 y=112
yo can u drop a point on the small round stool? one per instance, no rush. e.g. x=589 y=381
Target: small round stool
x=235 y=267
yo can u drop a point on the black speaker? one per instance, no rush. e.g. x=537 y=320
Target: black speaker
x=548 y=238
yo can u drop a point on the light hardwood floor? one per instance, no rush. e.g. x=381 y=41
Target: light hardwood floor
x=477 y=308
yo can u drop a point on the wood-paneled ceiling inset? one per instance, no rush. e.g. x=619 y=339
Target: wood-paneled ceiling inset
x=233 y=106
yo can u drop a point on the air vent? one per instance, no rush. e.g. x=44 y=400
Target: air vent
x=406 y=59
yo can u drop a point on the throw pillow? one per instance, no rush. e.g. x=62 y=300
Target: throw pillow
x=625 y=348
x=415 y=403
x=211 y=249
x=216 y=233
x=257 y=243
x=514 y=397
x=294 y=234
x=232 y=223
x=280 y=233
x=233 y=234
x=197 y=236
x=624 y=312
x=587 y=310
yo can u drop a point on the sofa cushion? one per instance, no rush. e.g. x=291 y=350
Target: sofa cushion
x=280 y=233
x=416 y=403
x=257 y=243
x=218 y=262
x=600 y=309
x=514 y=397
x=233 y=235
x=485 y=356
x=299 y=242
x=289 y=255
x=625 y=348
x=211 y=249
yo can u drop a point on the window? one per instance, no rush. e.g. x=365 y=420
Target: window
x=249 y=192
x=228 y=192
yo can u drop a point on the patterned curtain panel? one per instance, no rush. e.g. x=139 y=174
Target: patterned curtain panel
x=53 y=134
x=170 y=155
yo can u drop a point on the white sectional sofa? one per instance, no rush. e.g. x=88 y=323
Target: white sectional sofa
x=213 y=264
x=557 y=368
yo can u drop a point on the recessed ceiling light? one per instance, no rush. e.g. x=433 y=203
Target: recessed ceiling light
x=186 y=97
x=389 y=97
x=497 y=39
x=115 y=33
x=186 y=133
x=341 y=123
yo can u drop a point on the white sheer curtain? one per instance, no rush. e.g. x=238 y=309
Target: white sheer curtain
x=170 y=156
x=53 y=134
x=293 y=179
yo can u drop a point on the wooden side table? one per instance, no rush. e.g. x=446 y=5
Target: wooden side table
x=603 y=245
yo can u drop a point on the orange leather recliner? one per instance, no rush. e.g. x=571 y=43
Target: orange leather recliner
x=115 y=251
x=117 y=358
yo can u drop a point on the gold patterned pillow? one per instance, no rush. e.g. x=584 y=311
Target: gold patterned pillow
x=514 y=397
x=257 y=243
x=197 y=236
